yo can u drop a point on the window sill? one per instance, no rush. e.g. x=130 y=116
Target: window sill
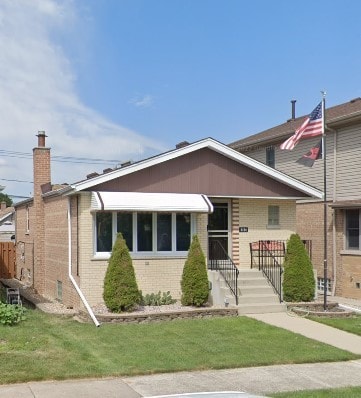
x=273 y=227
x=143 y=256
x=350 y=252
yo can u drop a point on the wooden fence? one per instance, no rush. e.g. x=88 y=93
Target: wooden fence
x=7 y=260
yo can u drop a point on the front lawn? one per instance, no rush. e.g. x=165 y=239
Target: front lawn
x=50 y=347
x=351 y=324
x=346 y=392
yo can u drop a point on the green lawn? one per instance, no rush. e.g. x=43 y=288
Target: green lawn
x=351 y=324
x=50 y=347
x=349 y=392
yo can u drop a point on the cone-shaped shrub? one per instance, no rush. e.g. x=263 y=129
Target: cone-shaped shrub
x=298 y=277
x=120 y=286
x=195 y=278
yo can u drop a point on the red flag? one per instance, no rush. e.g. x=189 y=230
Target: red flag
x=308 y=159
x=311 y=127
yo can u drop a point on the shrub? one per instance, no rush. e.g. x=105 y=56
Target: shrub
x=120 y=286
x=158 y=299
x=195 y=279
x=298 y=277
x=11 y=314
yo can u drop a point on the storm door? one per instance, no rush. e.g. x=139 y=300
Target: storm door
x=218 y=232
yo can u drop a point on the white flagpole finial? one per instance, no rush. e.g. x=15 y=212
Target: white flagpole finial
x=323 y=93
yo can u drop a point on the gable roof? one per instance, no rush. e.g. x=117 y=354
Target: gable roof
x=196 y=146
x=335 y=116
x=7 y=213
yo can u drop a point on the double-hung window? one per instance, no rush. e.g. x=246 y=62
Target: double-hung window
x=352 y=232
x=273 y=216
x=144 y=232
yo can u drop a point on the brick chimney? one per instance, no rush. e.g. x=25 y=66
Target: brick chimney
x=2 y=206
x=41 y=169
x=41 y=159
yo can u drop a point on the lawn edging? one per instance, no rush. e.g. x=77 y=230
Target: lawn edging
x=163 y=316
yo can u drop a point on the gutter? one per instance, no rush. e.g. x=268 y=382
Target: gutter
x=77 y=288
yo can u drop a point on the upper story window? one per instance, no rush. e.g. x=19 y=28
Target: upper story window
x=144 y=233
x=270 y=156
x=352 y=229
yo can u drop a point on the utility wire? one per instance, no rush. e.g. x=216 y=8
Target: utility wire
x=5 y=179
x=64 y=159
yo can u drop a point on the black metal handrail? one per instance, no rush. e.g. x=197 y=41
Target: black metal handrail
x=220 y=261
x=270 y=255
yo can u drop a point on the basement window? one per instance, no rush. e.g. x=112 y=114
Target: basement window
x=321 y=285
x=59 y=291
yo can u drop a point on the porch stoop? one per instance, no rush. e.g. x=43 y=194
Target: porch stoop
x=256 y=295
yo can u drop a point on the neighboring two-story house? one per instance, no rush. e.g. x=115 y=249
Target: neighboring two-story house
x=343 y=189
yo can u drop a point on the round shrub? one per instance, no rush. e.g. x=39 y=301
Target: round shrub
x=120 y=286
x=195 y=278
x=298 y=277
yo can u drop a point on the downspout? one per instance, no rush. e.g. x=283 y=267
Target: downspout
x=77 y=288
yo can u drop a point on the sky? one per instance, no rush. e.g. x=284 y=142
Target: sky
x=117 y=80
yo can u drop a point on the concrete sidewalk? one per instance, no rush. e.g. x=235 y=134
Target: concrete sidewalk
x=258 y=380
x=262 y=380
x=314 y=330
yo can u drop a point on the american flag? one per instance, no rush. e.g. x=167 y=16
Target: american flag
x=311 y=127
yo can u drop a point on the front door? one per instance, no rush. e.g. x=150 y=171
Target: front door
x=218 y=232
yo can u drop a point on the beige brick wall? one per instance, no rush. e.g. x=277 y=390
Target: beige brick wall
x=201 y=231
x=349 y=277
x=253 y=213
x=153 y=274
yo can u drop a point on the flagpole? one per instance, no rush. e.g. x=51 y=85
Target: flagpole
x=324 y=202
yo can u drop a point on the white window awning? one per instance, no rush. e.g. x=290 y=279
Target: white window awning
x=151 y=202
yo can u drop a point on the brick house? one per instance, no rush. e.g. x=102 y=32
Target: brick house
x=203 y=188
x=343 y=155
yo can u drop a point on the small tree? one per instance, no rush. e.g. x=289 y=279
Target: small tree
x=195 y=279
x=5 y=198
x=120 y=286
x=298 y=277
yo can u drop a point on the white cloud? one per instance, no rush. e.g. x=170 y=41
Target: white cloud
x=142 y=101
x=37 y=92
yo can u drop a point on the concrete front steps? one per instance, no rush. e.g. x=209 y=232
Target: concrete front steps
x=256 y=295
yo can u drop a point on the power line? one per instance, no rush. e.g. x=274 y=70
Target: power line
x=5 y=179
x=64 y=159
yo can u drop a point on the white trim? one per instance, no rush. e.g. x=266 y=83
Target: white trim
x=206 y=143
x=73 y=281
x=150 y=202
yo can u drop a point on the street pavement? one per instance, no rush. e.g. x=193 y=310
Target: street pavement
x=257 y=380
